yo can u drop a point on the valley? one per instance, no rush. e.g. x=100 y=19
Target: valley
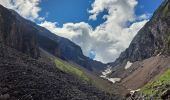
x=36 y=64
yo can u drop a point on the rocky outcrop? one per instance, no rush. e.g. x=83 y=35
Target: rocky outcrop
x=17 y=33
x=153 y=39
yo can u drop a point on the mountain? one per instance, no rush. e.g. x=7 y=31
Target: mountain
x=31 y=70
x=144 y=65
x=152 y=40
x=66 y=50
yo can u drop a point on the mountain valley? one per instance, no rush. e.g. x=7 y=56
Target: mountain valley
x=36 y=64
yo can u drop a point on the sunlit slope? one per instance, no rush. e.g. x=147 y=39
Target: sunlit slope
x=158 y=87
x=68 y=68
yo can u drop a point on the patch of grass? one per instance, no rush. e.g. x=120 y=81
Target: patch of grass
x=156 y=87
x=68 y=68
x=166 y=10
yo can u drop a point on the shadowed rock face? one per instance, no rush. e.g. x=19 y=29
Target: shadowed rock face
x=151 y=40
x=17 y=33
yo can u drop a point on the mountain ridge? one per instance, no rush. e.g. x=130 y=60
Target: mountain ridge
x=150 y=41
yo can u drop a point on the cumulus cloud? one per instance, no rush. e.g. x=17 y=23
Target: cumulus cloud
x=27 y=8
x=110 y=38
x=117 y=9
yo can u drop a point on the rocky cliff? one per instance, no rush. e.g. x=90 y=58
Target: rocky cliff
x=153 y=39
x=17 y=33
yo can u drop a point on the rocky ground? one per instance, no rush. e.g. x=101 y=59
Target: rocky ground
x=145 y=71
x=24 y=78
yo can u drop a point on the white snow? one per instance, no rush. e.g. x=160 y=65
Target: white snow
x=159 y=54
x=108 y=71
x=114 y=80
x=128 y=65
x=133 y=91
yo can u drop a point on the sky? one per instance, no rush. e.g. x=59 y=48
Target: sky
x=102 y=28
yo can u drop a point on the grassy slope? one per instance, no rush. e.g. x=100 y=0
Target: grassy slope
x=157 y=87
x=68 y=68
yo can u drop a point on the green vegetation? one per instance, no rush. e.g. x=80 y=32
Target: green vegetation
x=68 y=68
x=157 y=87
x=163 y=10
x=166 y=10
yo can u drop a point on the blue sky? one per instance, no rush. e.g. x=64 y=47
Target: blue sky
x=64 y=11
x=102 y=28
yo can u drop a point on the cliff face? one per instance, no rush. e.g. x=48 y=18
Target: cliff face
x=153 y=39
x=17 y=33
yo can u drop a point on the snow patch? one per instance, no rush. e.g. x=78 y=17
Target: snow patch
x=108 y=71
x=114 y=80
x=132 y=92
x=159 y=54
x=128 y=65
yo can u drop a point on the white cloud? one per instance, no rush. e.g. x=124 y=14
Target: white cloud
x=144 y=16
x=27 y=8
x=114 y=7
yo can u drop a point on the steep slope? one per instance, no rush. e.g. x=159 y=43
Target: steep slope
x=159 y=88
x=151 y=40
x=24 y=78
x=17 y=33
x=145 y=71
